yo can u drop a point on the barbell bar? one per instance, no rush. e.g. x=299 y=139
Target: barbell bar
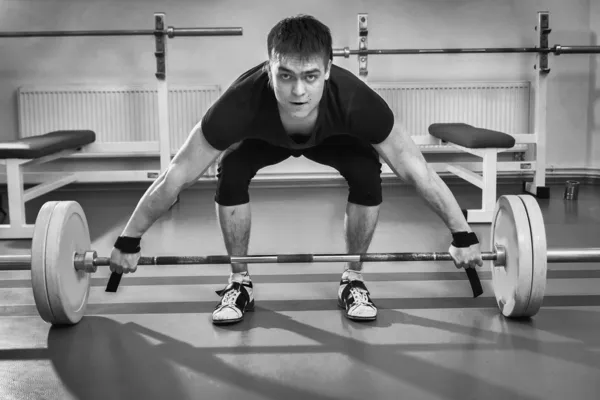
x=61 y=260
x=23 y=262
x=556 y=255
x=171 y=32
x=557 y=50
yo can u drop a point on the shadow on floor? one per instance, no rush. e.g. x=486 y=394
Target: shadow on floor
x=100 y=358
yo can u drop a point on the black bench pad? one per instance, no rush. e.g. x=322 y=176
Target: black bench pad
x=473 y=138
x=48 y=143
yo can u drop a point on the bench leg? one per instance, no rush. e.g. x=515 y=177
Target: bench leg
x=17 y=229
x=538 y=187
x=490 y=180
x=488 y=185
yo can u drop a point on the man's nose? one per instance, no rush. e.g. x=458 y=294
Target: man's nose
x=298 y=89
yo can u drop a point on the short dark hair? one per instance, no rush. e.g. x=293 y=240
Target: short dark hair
x=302 y=35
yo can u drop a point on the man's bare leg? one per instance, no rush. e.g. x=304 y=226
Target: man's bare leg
x=359 y=225
x=235 y=223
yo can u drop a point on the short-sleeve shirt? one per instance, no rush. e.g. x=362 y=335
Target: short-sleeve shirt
x=248 y=109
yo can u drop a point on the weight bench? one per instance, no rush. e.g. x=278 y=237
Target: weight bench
x=35 y=150
x=483 y=143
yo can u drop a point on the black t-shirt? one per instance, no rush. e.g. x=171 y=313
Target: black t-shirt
x=248 y=109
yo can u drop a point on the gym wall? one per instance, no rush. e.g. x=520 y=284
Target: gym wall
x=573 y=108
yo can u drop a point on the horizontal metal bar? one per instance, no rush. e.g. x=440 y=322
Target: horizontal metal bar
x=23 y=262
x=293 y=258
x=346 y=52
x=576 y=49
x=131 y=32
x=175 y=32
x=574 y=255
x=171 y=32
x=15 y=263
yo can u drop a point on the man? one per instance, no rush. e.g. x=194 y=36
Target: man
x=296 y=103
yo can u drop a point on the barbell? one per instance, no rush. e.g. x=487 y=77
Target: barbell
x=61 y=261
x=171 y=32
x=556 y=50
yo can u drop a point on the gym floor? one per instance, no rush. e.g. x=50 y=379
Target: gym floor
x=154 y=339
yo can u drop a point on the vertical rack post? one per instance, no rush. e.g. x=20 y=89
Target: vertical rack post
x=363 y=33
x=538 y=186
x=163 y=91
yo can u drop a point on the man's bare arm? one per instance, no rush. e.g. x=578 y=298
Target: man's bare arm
x=190 y=162
x=406 y=160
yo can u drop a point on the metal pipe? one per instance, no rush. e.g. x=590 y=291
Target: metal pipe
x=171 y=32
x=132 y=32
x=23 y=262
x=576 y=49
x=293 y=258
x=205 y=32
x=346 y=52
x=15 y=262
x=574 y=255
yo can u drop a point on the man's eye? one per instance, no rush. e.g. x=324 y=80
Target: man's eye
x=284 y=76
x=311 y=78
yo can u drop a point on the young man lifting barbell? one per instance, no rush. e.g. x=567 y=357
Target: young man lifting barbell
x=296 y=103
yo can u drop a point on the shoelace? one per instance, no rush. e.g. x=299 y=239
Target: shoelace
x=230 y=298
x=360 y=296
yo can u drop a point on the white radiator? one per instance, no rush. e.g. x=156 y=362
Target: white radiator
x=116 y=114
x=130 y=113
x=502 y=106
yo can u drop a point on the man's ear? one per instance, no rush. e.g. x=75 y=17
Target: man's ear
x=267 y=68
x=328 y=70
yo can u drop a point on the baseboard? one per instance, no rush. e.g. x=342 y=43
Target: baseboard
x=589 y=176
x=585 y=175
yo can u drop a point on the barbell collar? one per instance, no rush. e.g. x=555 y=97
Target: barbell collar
x=345 y=52
x=500 y=260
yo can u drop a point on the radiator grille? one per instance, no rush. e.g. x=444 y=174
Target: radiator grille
x=116 y=114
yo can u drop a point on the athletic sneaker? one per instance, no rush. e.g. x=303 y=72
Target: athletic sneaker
x=238 y=297
x=353 y=296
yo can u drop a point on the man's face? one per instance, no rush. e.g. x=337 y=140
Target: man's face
x=298 y=84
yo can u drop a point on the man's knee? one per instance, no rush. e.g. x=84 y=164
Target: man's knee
x=233 y=181
x=364 y=185
x=364 y=195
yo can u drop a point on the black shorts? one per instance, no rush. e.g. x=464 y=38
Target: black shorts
x=356 y=161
